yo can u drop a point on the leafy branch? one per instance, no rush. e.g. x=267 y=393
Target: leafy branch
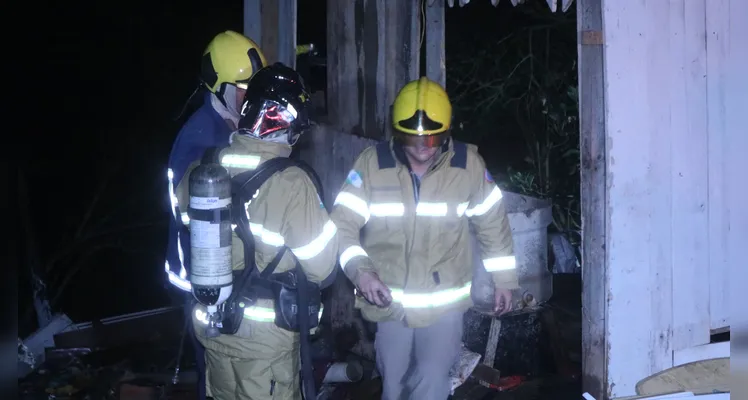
x=522 y=87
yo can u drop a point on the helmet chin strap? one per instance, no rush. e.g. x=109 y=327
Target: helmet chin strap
x=224 y=102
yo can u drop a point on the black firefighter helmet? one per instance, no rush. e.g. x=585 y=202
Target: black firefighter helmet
x=276 y=105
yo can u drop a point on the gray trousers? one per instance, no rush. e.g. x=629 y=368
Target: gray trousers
x=414 y=362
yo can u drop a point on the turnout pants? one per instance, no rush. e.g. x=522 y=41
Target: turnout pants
x=415 y=362
x=260 y=362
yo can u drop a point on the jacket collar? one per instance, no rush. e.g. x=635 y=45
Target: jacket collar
x=264 y=149
x=399 y=153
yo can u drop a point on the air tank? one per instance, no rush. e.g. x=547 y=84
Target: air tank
x=210 y=239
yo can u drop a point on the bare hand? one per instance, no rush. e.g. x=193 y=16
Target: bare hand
x=374 y=290
x=503 y=301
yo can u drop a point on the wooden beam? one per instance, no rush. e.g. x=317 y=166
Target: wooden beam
x=435 y=53
x=272 y=24
x=252 y=20
x=593 y=178
x=372 y=52
x=269 y=29
x=287 y=27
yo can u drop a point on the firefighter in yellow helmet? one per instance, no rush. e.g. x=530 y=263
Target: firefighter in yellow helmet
x=414 y=198
x=228 y=62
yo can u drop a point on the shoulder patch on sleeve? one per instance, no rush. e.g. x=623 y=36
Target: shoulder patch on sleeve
x=488 y=176
x=354 y=179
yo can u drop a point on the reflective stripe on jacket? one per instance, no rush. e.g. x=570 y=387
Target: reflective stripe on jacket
x=415 y=234
x=286 y=210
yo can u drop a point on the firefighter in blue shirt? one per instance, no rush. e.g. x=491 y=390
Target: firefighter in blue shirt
x=228 y=62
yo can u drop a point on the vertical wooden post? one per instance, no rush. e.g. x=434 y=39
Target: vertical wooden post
x=286 y=31
x=252 y=20
x=372 y=52
x=593 y=197
x=272 y=24
x=435 y=46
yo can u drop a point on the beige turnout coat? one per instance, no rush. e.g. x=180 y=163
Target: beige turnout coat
x=416 y=235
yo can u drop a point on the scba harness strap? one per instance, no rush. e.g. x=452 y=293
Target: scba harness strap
x=291 y=290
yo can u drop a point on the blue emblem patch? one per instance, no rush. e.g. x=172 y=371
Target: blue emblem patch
x=354 y=179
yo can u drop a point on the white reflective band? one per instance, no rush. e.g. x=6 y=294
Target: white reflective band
x=268 y=237
x=461 y=208
x=503 y=263
x=427 y=209
x=182 y=270
x=429 y=300
x=432 y=209
x=185 y=219
x=318 y=244
x=351 y=253
x=354 y=203
x=177 y=281
x=486 y=205
x=256 y=313
x=387 y=209
x=240 y=161
x=172 y=195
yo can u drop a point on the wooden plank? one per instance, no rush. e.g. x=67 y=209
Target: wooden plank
x=700 y=353
x=492 y=342
x=342 y=60
x=639 y=251
x=701 y=377
x=269 y=29
x=435 y=53
x=372 y=52
x=689 y=174
x=717 y=43
x=287 y=27
x=593 y=184
x=402 y=44
x=252 y=20
x=736 y=163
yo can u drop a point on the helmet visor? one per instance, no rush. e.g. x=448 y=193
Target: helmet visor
x=411 y=140
x=272 y=118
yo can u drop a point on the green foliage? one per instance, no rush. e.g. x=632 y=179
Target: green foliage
x=520 y=92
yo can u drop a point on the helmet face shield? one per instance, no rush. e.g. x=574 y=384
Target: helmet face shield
x=272 y=119
x=419 y=141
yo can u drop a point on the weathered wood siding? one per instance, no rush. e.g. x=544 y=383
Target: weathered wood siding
x=674 y=210
x=332 y=152
x=372 y=51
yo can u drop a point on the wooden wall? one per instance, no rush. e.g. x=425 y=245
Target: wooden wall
x=671 y=214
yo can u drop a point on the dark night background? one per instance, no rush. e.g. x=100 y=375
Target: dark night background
x=123 y=72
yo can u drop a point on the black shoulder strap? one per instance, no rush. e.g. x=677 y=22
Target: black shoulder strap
x=384 y=155
x=244 y=186
x=210 y=156
x=459 y=159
